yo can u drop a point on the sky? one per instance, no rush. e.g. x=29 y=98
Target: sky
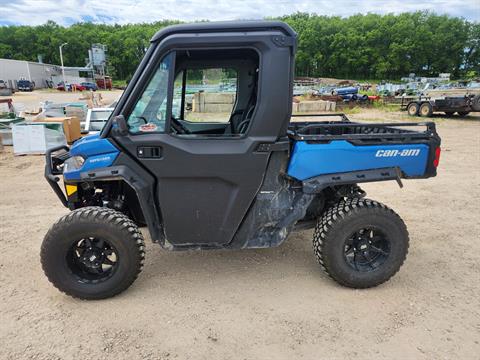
x=67 y=12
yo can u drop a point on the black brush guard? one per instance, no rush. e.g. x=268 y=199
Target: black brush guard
x=52 y=170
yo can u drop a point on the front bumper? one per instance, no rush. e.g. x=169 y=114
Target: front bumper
x=53 y=164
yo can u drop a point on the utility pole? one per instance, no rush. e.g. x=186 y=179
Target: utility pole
x=63 y=68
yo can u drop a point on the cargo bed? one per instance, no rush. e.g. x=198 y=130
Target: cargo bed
x=339 y=151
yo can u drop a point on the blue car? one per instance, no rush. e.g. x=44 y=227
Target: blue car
x=90 y=86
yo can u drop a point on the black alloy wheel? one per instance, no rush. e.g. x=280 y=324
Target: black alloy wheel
x=367 y=249
x=92 y=260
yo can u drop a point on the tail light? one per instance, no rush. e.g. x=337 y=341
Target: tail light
x=436 y=160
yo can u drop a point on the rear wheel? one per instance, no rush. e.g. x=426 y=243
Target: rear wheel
x=360 y=243
x=463 y=113
x=412 y=109
x=426 y=110
x=93 y=253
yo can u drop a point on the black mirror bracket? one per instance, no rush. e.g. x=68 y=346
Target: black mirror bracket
x=119 y=126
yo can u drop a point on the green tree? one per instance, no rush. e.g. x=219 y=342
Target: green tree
x=360 y=46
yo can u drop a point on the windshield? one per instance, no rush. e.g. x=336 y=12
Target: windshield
x=150 y=111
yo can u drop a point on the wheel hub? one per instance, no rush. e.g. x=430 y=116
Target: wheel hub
x=92 y=259
x=367 y=249
x=363 y=247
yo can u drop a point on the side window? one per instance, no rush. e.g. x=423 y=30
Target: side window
x=215 y=92
x=210 y=95
x=150 y=111
x=177 y=96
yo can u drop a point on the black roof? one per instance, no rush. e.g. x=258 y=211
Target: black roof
x=221 y=26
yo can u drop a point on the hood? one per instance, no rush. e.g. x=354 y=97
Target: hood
x=92 y=145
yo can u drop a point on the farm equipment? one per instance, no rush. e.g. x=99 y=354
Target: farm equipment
x=104 y=82
x=350 y=94
x=247 y=182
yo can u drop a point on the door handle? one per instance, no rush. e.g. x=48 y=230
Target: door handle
x=149 y=152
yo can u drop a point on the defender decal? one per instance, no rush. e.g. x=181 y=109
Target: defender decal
x=99 y=159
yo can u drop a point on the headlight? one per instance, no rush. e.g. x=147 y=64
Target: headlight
x=73 y=163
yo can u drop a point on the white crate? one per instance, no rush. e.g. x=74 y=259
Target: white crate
x=36 y=138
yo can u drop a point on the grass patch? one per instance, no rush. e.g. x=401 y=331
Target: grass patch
x=353 y=110
x=119 y=83
x=380 y=105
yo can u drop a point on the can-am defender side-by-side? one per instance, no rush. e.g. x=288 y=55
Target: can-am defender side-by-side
x=245 y=181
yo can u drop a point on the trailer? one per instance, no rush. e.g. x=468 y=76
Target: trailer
x=426 y=106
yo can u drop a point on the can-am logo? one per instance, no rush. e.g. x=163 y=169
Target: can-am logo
x=393 y=153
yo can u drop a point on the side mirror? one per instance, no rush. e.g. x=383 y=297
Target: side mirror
x=119 y=126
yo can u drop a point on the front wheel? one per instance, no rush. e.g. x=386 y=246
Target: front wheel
x=93 y=253
x=360 y=243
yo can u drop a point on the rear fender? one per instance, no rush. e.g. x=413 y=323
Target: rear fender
x=341 y=156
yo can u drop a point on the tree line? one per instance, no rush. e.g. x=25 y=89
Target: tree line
x=360 y=47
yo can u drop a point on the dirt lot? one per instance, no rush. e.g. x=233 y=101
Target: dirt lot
x=31 y=100
x=258 y=304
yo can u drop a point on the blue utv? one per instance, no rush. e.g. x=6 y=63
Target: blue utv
x=201 y=177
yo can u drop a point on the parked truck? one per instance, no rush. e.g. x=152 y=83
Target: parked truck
x=25 y=85
x=104 y=83
x=246 y=182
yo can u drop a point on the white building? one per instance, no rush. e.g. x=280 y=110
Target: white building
x=43 y=75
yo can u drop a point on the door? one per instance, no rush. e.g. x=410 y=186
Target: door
x=207 y=172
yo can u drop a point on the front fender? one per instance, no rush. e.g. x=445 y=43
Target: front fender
x=142 y=182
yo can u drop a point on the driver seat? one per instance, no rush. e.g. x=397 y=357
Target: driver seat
x=239 y=120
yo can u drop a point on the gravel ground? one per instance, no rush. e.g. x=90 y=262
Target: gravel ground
x=31 y=100
x=258 y=304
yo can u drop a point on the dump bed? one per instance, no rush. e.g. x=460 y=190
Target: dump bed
x=339 y=151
